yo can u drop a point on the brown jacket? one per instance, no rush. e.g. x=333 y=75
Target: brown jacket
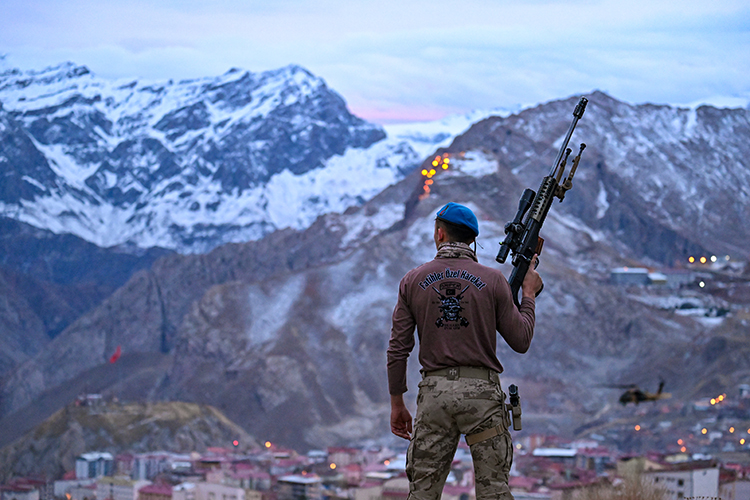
x=457 y=306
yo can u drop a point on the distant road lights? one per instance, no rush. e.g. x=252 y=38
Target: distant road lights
x=441 y=161
x=332 y=466
x=683 y=449
x=691 y=259
x=702 y=284
x=704 y=431
x=680 y=442
x=267 y=444
x=703 y=260
x=726 y=257
x=742 y=441
x=731 y=430
x=713 y=402
x=713 y=258
x=637 y=427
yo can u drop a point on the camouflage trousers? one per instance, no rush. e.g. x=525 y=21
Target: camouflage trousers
x=445 y=410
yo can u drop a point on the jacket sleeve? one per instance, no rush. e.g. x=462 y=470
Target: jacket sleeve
x=401 y=342
x=515 y=325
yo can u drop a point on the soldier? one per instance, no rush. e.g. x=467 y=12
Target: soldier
x=460 y=390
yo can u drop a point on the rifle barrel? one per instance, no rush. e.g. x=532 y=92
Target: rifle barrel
x=577 y=114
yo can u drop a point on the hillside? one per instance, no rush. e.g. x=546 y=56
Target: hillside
x=52 y=447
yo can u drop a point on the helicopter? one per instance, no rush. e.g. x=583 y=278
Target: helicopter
x=634 y=394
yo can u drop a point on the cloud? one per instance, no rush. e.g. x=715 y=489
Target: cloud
x=386 y=57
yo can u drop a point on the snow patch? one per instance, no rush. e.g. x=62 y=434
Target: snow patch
x=361 y=227
x=370 y=299
x=34 y=182
x=473 y=163
x=602 y=205
x=270 y=305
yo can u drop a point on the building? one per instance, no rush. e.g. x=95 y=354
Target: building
x=629 y=276
x=245 y=477
x=90 y=400
x=148 y=465
x=287 y=466
x=395 y=489
x=124 y=464
x=26 y=487
x=685 y=483
x=82 y=492
x=353 y=474
x=597 y=459
x=118 y=488
x=368 y=491
x=635 y=466
x=95 y=464
x=23 y=492
x=19 y=491
x=184 y=491
x=561 y=455
x=213 y=491
x=735 y=490
x=342 y=456
x=676 y=278
x=155 y=492
x=67 y=486
x=298 y=487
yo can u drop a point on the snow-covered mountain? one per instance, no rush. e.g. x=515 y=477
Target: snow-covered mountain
x=426 y=137
x=662 y=180
x=185 y=165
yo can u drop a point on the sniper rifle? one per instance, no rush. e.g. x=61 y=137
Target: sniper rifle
x=522 y=234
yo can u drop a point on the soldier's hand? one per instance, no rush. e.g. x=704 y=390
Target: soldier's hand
x=400 y=418
x=532 y=282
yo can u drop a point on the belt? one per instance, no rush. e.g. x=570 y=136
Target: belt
x=456 y=372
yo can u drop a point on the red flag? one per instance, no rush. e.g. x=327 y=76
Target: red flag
x=116 y=355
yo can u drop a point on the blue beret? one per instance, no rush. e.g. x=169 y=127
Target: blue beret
x=459 y=214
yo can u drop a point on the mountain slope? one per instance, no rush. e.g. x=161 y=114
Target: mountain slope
x=51 y=449
x=287 y=334
x=49 y=281
x=667 y=181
